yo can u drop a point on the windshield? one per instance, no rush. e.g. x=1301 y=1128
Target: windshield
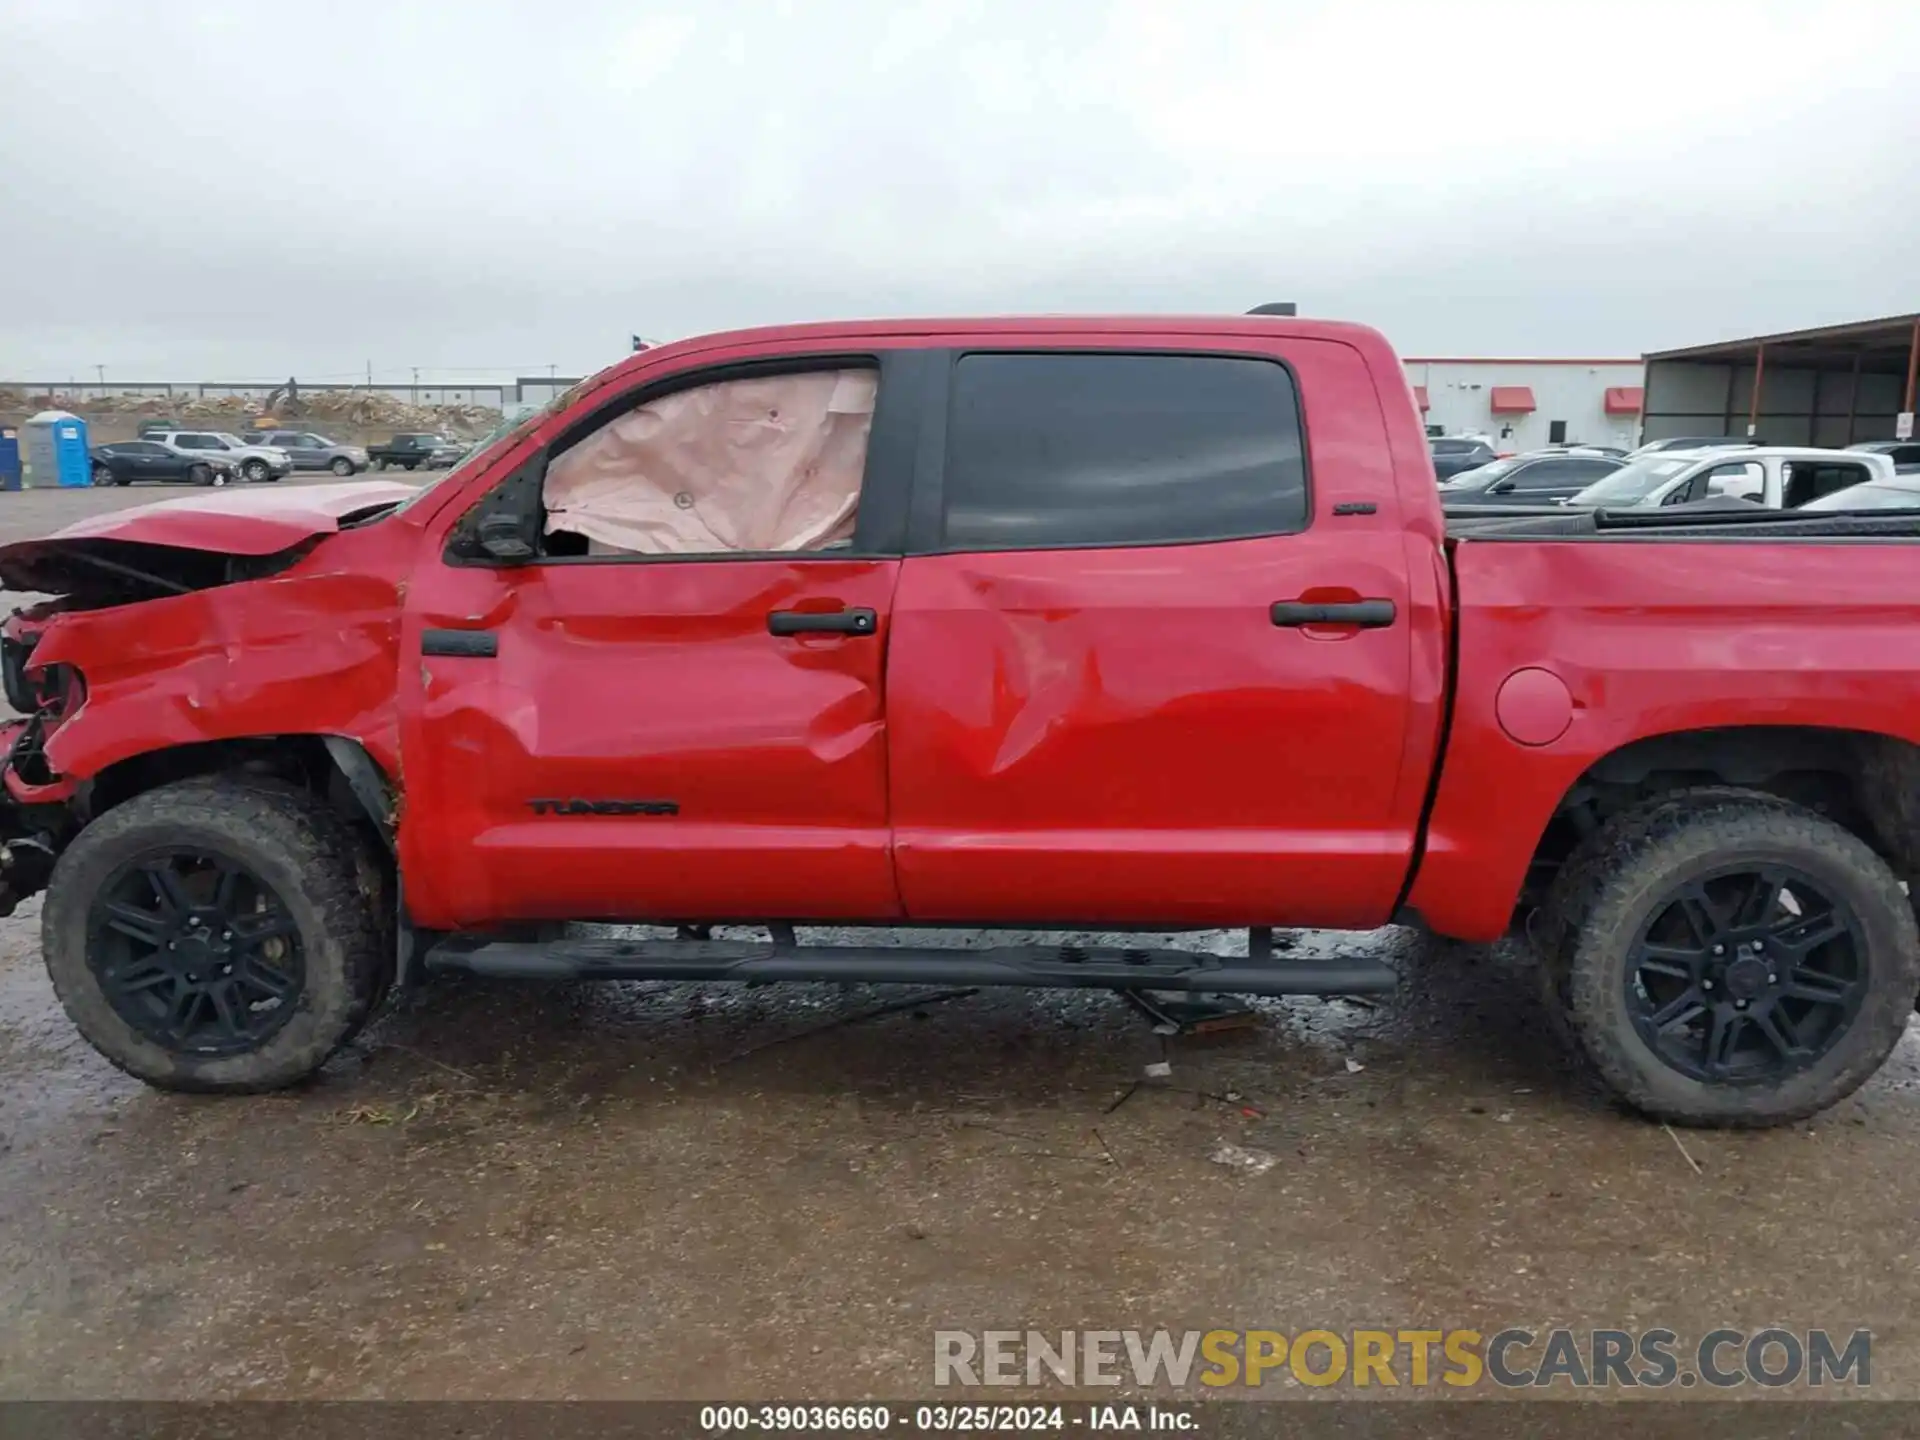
x=1633 y=482
x=1870 y=495
x=510 y=427
x=1481 y=474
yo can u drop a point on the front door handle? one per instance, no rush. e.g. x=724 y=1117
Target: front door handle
x=823 y=622
x=472 y=644
x=1365 y=614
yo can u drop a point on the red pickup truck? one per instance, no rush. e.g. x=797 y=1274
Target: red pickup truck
x=1127 y=624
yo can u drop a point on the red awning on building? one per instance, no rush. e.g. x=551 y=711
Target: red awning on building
x=1624 y=399
x=1512 y=400
x=1420 y=397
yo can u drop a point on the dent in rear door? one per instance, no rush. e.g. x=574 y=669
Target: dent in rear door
x=1123 y=733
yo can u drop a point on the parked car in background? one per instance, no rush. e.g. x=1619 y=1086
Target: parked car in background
x=125 y=461
x=309 y=451
x=251 y=462
x=417 y=451
x=1451 y=456
x=1690 y=442
x=1777 y=477
x=1899 y=491
x=1539 y=477
x=157 y=426
x=1903 y=453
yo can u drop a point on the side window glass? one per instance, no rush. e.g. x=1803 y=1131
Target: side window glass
x=1064 y=450
x=1742 y=481
x=1544 y=475
x=764 y=463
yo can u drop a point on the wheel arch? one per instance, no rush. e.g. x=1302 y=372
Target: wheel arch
x=338 y=767
x=1867 y=781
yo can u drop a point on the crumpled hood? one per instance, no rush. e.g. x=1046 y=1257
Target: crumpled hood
x=233 y=521
x=204 y=534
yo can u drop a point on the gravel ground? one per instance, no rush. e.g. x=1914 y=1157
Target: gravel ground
x=707 y=1192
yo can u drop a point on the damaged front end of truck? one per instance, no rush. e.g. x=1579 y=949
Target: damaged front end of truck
x=233 y=631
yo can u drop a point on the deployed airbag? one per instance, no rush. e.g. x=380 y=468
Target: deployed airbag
x=769 y=463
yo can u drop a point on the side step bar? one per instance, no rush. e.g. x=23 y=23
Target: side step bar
x=1031 y=965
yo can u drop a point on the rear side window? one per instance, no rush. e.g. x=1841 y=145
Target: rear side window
x=1061 y=450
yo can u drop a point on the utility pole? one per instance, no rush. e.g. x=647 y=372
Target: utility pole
x=369 y=374
x=101 y=371
x=416 y=384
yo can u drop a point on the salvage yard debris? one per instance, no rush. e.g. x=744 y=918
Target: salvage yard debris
x=1238 y=1157
x=370 y=409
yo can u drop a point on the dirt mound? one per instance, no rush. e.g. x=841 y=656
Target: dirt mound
x=360 y=409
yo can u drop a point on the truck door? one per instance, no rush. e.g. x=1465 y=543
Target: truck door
x=672 y=708
x=1151 y=647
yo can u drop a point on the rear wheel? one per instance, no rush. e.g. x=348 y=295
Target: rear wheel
x=216 y=935
x=1725 y=959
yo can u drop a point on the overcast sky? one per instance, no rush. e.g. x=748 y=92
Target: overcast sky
x=261 y=188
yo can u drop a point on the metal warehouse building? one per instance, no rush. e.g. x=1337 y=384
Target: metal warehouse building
x=1830 y=386
x=1525 y=404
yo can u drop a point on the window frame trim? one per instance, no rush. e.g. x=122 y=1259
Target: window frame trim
x=926 y=516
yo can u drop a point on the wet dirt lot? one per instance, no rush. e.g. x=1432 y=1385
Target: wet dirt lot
x=699 y=1191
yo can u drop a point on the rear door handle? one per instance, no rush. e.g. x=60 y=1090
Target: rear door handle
x=823 y=622
x=1366 y=614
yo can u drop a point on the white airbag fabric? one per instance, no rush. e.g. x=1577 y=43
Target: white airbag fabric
x=769 y=463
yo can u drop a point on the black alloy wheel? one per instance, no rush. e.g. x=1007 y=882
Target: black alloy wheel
x=195 y=952
x=1747 y=976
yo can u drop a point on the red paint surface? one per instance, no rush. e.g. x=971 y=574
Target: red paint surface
x=646 y=682
x=1083 y=735
x=249 y=520
x=1652 y=638
x=1534 y=707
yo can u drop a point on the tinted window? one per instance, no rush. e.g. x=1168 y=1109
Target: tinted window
x=1454 y=447
x=1557 y=474
x=141 y=447
x=1048 y=450
x=196 y=442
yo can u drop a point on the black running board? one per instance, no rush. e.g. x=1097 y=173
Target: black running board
x=1032 y=965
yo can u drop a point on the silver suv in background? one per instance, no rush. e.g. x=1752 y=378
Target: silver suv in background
x=309 y=451
x=251 y=462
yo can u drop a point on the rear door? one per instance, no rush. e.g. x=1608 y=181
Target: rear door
x=673 y=709
x=1151 y=649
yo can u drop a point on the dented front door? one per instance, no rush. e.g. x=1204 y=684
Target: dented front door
x=629 y=741
x=610 y=734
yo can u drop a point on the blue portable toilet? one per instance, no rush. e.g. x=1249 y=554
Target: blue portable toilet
x=9 y=458
x=53 y=445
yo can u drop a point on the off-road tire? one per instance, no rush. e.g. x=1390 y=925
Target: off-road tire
x=293 y=841
x=341 y=466
x=1606 y=891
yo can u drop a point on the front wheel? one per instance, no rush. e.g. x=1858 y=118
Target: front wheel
x=256 y=471
x=215 y=935
x=341 y=466
x=1727 y=959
